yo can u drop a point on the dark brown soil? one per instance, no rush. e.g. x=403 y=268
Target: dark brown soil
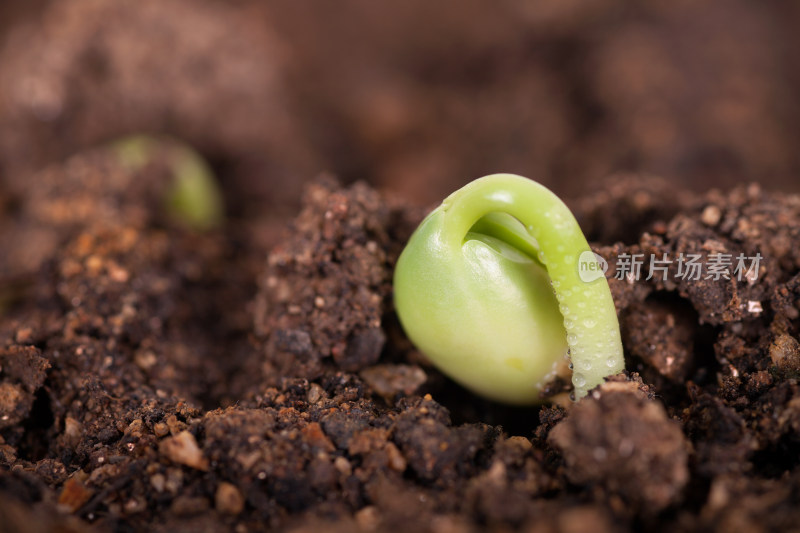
x=254 y=376
x=145 y=387
x=416 y=99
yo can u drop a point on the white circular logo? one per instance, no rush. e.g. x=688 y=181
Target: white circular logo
x=591 y=266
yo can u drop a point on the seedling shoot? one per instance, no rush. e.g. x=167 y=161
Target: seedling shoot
x=491 y=287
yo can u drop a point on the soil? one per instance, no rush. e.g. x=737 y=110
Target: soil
x=144 y=387
x=254 y=376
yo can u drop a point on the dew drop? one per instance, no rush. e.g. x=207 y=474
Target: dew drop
x=555 y=283
x=610 y=362
x=571 y=366
x=569 y=324
x=569 y=259
x=579 y=380
x=542 y=257
x=586 y=365
x=587 y=293
x=590 y=322
x=572 y=338
x=572 y=396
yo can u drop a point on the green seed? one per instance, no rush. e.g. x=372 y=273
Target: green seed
x=489 y=289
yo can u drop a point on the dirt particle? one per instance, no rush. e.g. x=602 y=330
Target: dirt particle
x=158 y=482
x=661 y=336
x=134 y=505
x=145 y=359
x=343 y=466
x=23 y=372
x=24 y=335
x=175 y=426
x=389 y=381
x=182 y=448
x=12 y=404
x=228 y=499
x=363 y=349
x=73 y=432
x=185 y=505
x=785 y=353
x=315 y=393
x=160 y=429
x=646 y=462
x=396 y=460
x=73 y=495
x=368 y=518
x=711 y=215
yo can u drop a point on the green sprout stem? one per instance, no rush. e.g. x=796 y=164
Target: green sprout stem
x=193 y=196
x=489 y=288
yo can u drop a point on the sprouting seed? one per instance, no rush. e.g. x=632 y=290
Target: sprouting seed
x=493 y=275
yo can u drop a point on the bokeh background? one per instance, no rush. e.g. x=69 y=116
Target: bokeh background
x=415 y=97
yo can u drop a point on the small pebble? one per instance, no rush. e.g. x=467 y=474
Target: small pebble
x=343 y=466
x=160 y=429
x=368 y=518
x=183 y=449
x=228 y=499
x=711 y=215
x=785 y=353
